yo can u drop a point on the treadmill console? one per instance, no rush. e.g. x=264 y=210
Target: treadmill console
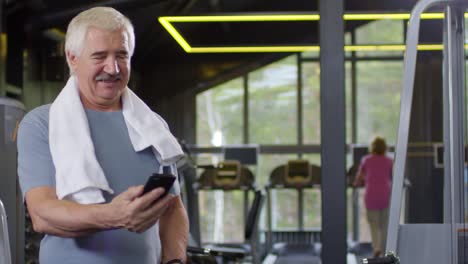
x=298 y=173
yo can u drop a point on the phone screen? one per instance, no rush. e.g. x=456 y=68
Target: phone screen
x=156 y=180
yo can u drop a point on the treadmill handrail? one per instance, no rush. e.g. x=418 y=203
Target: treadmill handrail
x=224 y=252
x=251 y=222
x=5 y=238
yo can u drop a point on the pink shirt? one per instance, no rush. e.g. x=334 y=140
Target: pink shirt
x=377 y=172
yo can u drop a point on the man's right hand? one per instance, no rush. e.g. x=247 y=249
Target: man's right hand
x=64 y=218
x=137 y=213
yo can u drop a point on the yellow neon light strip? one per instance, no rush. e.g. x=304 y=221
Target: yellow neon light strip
x=255 y=49
x=175 y=34
x=312 y=48
x=391 y=47
x=401 y=16
x=299 y=17
x=243 y=18
x=165 y=21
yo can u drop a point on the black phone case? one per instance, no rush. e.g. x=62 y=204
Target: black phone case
x=159 y=180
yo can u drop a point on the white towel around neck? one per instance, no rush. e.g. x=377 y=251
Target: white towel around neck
x=78 y=176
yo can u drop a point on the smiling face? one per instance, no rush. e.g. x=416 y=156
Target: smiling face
x=102 y=68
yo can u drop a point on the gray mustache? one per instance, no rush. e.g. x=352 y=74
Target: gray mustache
x=108 y=77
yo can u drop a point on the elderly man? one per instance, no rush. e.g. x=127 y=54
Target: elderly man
x=83 y=160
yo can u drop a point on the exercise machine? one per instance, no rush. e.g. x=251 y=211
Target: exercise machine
x=250 y=247
x=292 y=246
x=445 y=242
x=5 y=255
x=11 y=113
x=228 y=175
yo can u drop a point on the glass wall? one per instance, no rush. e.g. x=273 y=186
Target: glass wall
x=273 y=103
x=378 y=99
x=311 y=101
x=225 y=219
x=274 y=91
x=219 y=114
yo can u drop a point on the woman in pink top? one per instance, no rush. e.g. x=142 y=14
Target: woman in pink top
x=375 y=173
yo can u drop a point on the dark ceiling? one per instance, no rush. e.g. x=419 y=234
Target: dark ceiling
x=157 y=54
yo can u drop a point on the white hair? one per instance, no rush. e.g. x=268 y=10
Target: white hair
x=104 y=18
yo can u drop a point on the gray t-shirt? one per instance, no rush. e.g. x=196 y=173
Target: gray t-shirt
x=123 y=168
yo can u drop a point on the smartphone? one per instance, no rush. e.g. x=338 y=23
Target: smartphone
x=156 y=180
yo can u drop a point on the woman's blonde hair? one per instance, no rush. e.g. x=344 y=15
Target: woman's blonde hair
x=104 y=18
x=378 y=146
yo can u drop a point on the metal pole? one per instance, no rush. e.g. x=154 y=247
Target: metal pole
x=2 y=60
x=300 y=208
x=300 y=111
x=333 y=145
x=454 y=151
x=245 y=137
x=446 y=133
x=355 y=192
x=269 y=238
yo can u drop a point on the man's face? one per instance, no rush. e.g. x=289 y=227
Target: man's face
x=102 y=69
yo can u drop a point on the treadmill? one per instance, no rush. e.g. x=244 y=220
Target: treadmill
x=298 y=246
